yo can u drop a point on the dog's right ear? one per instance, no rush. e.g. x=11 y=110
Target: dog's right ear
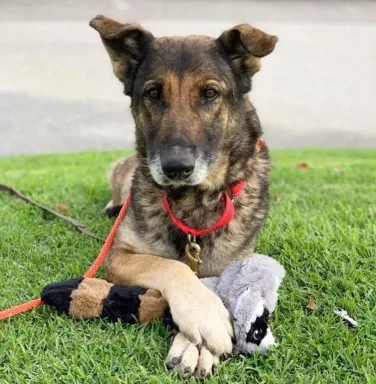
x=124 y=44
x=245 y=45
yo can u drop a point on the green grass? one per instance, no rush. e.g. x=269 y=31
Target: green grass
x=323 y=231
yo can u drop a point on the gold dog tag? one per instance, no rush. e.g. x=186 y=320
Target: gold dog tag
x=192 y=252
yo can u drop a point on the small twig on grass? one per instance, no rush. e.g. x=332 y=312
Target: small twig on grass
x=80 y=227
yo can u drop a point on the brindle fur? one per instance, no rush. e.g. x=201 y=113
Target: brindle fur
x=120 y=179
x=148 y=218
x=225 y=131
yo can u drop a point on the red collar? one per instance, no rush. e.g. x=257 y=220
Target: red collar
x=226 y=217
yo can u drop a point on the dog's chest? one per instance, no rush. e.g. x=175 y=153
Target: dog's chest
x=148 y=229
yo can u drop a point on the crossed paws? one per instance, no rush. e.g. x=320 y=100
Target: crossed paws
x=190 y=360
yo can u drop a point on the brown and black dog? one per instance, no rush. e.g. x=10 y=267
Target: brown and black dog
x=196 y=137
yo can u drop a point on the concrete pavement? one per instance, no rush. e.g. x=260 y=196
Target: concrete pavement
x=58 y=94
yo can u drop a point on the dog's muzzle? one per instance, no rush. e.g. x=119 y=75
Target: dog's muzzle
x=178 y=163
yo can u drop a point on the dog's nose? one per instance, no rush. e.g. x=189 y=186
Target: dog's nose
x=178 y=163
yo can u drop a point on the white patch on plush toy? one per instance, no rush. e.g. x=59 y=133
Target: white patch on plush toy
x=267 y=341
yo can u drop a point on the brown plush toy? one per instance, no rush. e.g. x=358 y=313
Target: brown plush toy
x=86 y=298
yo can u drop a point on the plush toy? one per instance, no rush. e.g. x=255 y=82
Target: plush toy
x=247 y=288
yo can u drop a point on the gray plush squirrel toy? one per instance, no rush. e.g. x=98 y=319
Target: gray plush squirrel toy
x=249 y=291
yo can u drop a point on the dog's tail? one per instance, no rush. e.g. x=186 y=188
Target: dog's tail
x=87 y=298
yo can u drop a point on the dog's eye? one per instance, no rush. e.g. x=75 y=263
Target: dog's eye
x=210 y=94
x=153 y=94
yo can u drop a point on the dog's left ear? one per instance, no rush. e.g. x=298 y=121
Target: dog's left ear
x=124 y=44
x=245 y=46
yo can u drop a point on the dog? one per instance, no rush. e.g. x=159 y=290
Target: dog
x=197 y=136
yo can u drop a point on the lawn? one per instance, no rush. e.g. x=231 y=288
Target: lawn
x=322 y=228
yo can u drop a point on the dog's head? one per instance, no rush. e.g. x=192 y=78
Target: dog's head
x=187 y=94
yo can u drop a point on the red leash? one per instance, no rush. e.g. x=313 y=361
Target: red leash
x=90 y=273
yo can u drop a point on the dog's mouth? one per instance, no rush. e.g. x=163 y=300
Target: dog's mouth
x=178 y=174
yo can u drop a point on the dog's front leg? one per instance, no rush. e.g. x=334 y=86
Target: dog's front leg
x=197 y=311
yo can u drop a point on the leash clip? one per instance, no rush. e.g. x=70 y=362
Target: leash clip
x=192 y=253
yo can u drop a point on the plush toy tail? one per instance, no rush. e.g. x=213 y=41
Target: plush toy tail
x=86 y=298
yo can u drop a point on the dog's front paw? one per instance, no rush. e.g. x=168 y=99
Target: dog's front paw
x=202 y=317
x=189 y=360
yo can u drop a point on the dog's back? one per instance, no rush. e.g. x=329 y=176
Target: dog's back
x=120 y=180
